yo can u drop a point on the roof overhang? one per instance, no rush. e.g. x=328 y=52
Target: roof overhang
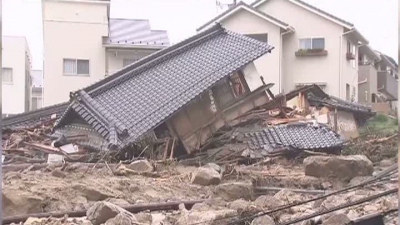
x=133 y=47
x=311 y=9
x=354 y=35
x=241 y=6
x=367 y=50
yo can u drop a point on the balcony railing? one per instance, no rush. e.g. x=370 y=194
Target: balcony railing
x=387 y=84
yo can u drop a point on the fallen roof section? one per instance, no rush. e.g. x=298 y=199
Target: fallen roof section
x=295 y=136
x=33 y=118
x=305 y=90
x=244 y=6
x=124 y=106
x=334 y=102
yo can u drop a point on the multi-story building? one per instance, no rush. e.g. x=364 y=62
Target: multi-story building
x=16 y=75
x=311 y=46
x=37 y=89
x=377 y=80
x=82 y=45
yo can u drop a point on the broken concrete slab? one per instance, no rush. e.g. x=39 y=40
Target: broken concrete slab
x=234 y=191
x=102 y=211
x=18 y=202
x=341 y=167
x=206 y=176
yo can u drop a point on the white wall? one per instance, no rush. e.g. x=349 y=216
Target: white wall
x=349 y=73
x=115 y=58
x=316 y=69
x=72 y=29
x=244 y=22
x=15 y=54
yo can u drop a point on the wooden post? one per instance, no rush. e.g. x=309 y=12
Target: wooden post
x=335 y=120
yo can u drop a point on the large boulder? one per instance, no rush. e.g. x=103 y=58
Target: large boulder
x=92 y=194
x=123 y=218
x=206 y=176
x=263 y=220
x=234 y=191
x=141 y=166
x=341 y=167
x=17 y=202
x=102 y=212
x=337 y=219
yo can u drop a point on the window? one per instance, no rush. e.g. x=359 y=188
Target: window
x=312 y=43
x=127 y=62
x=347 y=92
x=259 y=37
x=373 y=97
x=7 y=76
x=76 y=67
x=36 y=103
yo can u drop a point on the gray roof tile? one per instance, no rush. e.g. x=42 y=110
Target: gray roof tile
x=300 y=136
x=152 y=89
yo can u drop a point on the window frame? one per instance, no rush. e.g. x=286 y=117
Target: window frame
x=311 y=39
x=76 y=64
x=12 y=76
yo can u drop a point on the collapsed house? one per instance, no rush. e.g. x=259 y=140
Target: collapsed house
x=179 y=95
x=343 y=116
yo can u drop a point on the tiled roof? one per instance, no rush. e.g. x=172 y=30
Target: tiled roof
x=32 y=118
x=313 y=8
x=246 y=6
x=135 y=32
x=300 y=136
x=144 y=94
x=314 y=89
x=340 y=104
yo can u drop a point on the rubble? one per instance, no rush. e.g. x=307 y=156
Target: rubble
x=106 y=212
x=234 y=191
x=342 y=167
x=206 y=176
x=263 y=220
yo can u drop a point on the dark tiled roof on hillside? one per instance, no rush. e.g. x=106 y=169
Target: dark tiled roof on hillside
x=127 y=104
x=32 y=118
x=340 y=104
x=300 y=136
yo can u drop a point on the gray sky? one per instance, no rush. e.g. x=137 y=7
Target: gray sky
x=377 y=20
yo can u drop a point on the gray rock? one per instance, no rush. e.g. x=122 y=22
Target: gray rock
x=205 y=217
x=263 y=220
x=336 y=220
x=239 y=205
x=92 y=194
x=206 y=176
x=19 y=203
x=58 y=173
x=101 y=212
x=341 y=167
x=358 y=180
x=234 y=191
x=123 y=218
x=386 y=163
x=268 y=202
x=143 y=217
x=118 y=202
x=141 y=166
x=213 y=166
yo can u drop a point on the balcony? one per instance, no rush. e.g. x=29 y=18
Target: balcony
x=350 y=56
x=311 y=52
x=387 y=84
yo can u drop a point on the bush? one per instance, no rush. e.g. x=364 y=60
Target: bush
x=381 y=118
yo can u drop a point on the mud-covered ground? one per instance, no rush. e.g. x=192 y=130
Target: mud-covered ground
x=79 y=187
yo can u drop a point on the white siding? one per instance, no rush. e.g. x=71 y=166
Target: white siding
x=72 y=30
x=16 y=56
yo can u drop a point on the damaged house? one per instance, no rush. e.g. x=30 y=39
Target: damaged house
x=342 y=116
x=178 y=96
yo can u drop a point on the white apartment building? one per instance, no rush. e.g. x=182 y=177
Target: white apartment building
x=16 y=75
x=37 y=89
x=82 y=45
x=311 y=46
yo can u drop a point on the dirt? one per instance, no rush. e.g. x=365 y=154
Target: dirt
x=78 y=189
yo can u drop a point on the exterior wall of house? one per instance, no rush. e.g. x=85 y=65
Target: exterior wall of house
x=16 y=56
x=310 y=69
x=115 y=58
x=244 y=22
x=72 y=30
x=349 y=74
x=365 y=90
